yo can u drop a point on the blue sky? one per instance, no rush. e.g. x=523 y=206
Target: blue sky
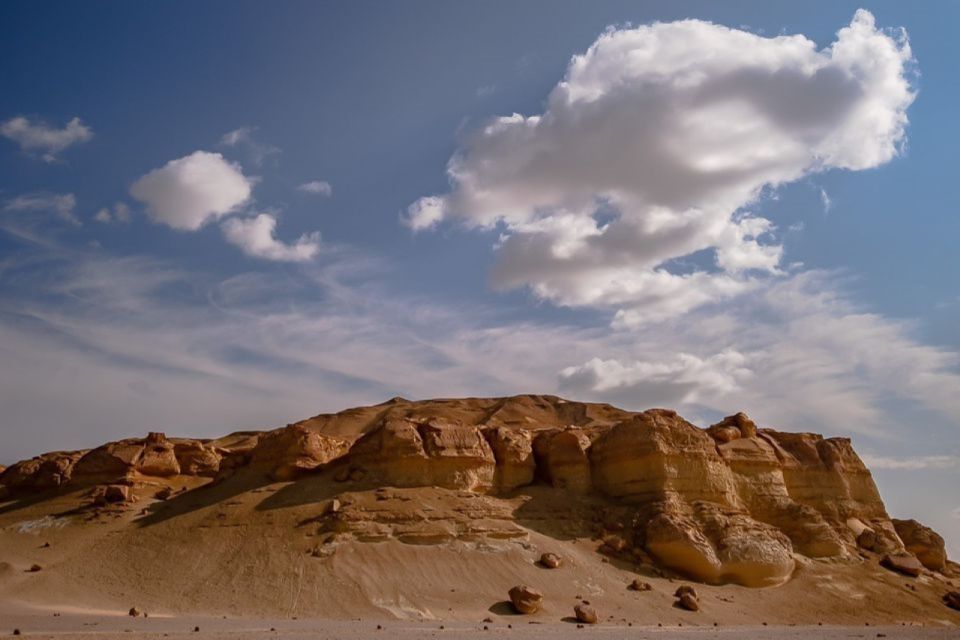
x=784 y=244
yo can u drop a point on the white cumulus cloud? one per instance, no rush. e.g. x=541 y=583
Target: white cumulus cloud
x=657 y=144
x=120 y=213
x=255 y=237
x=38 y=136
x=188 y=192
x=316 y=187
x=686 y=379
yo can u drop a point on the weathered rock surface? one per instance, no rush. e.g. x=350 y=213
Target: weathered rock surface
x=288 y=453
x=525 y=600
x=923 y=542
x=952 y=599
x=41 y=473
x=903 y=563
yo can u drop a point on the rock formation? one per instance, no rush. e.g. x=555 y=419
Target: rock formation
x=733 y=503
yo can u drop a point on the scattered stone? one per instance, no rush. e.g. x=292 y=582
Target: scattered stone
x=525 y=600
x=135 y=612
x=689 y=602
x=16 y=632
x=163 y=494
x=902 y=563
x=196 y=629
x=35 y=567
x=640 y=585
x=585 y=614
x=550 y=560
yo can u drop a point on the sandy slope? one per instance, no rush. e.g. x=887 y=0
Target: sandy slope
x=244 y=549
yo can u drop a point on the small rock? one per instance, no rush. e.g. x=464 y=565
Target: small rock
x=689 y=602
x=134 y=612
x=16 y=632
x=164 y=493
x=550 y=560
x=585 y=614
x=35 y=567
x=333 y=506
x=196 y=629
x=640 y=585
x=525 y=600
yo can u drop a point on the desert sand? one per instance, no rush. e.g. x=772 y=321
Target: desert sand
x=415 y=515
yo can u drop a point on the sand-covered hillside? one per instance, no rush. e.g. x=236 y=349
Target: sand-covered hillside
x=434 y=510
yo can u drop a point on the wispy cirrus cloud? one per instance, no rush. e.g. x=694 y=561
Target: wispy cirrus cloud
x=63 y=205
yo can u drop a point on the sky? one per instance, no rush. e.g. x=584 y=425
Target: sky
x=227 y=215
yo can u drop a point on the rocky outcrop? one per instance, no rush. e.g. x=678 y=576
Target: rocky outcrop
x=42 y=473
x=562 y=459
x=513 y=452
x=404 y=453
x=731 y=503
x=288 y=453
x=923 y=542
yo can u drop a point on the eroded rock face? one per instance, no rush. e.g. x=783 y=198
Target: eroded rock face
x=42 y=473
x=513 y=452
x=290 y=452
x=404 y=453
x=923 y=542
x=562 y=459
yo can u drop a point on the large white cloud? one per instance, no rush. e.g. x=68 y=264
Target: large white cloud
x=188 y=192
x=655 y=145
x=38 y=136
x=255 y=236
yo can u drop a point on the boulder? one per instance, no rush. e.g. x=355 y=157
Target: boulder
x=903 y=563
x=585 y=613
x=550 y=560
x=640 y=585
x=923 y=542
x=689 y=602
x=525 y=600
x=685 y=588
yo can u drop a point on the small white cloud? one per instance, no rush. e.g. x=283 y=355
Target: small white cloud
x=235 y=137
x=120 y=213
x=243 y=137
x=424 y=213
x=63 y=205
x=40 y=137
x=255 y=237
x=486 y=90
x=910 y=463
x=316 y=187
x=188 y=192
